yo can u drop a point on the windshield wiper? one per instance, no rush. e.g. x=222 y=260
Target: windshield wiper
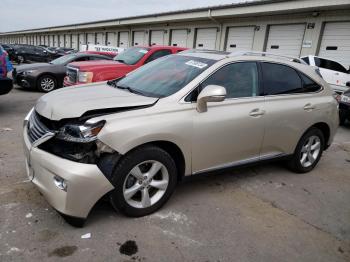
x=131 y=90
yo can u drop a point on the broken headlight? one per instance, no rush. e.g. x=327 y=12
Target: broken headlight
x=80 y=133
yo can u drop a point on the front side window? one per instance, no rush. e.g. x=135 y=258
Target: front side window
x=280 y=79
x=239 y=79
x=131 y=55
x=158 y=54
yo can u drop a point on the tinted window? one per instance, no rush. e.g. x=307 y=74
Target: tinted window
x=239 y=79
x=280 y=79
x=309 y=85
x=328 y=64
x=306 y=59
x=158 y=54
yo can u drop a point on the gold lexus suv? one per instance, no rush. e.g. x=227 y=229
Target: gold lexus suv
x=132 y=139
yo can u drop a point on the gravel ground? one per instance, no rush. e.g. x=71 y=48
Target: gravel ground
x=262 y=213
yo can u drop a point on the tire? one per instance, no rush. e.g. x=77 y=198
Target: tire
x=342 y=117
x=129 y=195
x=47 y=83
x=305 y=158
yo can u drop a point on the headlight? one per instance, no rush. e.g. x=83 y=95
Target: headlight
x=85 y=77
x=29 y=72
x=345 y=99
x=80 y=133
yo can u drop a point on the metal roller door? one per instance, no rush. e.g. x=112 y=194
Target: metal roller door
x=157 y=37
x=82 y=40
x=75 y=43
x=100 y=39
x=112 y=39
x=285 y=39
x=335 y=43
x=61 y=40
x=67 y=41
x=91 y=38
x=139 y=38
x=51 y=40
x=42 y=42
x=240 y=38
x=179 y=37
x=206 y=38
x=123 y=39
x=55 y=42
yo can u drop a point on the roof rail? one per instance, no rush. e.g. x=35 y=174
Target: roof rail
x=254 y=53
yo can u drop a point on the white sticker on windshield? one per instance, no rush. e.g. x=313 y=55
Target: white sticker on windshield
x=196 y=64
x=143 y=51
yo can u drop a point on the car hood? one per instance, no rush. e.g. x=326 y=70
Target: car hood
x=91 y=65
x=23 y=68
x=74 y=102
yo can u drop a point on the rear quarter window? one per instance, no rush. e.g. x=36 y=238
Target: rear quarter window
x=281 y=79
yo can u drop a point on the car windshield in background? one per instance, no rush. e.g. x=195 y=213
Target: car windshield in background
x=63 y=59
x=165 y=76
x=132 y=55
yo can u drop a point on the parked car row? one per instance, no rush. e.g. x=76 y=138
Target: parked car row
x=133 y=138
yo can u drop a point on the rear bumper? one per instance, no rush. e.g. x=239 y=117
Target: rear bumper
x=85 y=182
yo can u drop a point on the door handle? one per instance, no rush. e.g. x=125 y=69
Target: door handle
x=257 y=112
x=309 y=107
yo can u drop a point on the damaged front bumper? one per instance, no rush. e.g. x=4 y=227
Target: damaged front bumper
x=72 y=188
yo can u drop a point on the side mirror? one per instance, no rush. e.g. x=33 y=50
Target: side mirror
x=211 y=93
x=348 y=84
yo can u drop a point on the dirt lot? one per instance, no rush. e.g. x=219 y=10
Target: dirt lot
x=264 y=213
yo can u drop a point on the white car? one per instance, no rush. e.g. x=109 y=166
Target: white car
x=334 y=73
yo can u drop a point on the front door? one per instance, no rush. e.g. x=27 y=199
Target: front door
x=230 y=132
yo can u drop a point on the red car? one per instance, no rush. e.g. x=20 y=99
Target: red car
x=132 y=58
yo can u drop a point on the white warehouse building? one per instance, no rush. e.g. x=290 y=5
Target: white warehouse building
x=296 y=28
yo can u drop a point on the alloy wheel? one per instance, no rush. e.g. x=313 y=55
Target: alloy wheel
x=310 y=151
x=146 y=184
x=47 y=84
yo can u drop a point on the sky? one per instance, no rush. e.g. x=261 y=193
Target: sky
x=29 y=14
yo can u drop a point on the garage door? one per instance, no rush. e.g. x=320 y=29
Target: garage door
x=68 y=41
x=335 y=43
x=206 y=38
x=91 y=38
x=285 y=39
x=240 y=38
x=51 y=40
x=100 y=39
x=61 y=40
x=112 y=39
x=179 y=37
x=139 y=38
x=157 y=37
x=82 y=40
x=75 y=41
x=123 y=39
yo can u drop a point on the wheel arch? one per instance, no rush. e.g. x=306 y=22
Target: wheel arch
x=325 y=129
x=46 y=74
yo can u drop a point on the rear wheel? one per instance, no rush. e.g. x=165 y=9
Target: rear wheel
x=308 y=151
x=47 y=83
x=144 y=179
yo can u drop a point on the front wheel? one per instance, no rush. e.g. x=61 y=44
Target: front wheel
x=145 y=179
x=308 y=151
x=47 y=83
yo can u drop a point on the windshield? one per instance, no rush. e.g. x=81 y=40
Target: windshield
x=165 y=76
x=63 y=59
x=131 y=55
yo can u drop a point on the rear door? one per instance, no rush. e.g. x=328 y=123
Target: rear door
x=230 y=132
x=291 y=107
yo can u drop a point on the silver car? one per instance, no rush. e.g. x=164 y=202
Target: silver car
x=133 y=139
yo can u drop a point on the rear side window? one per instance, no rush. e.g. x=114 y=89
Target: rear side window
x=328 y=64
x=280 y=79
x=306 y=59
x=158 y=54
